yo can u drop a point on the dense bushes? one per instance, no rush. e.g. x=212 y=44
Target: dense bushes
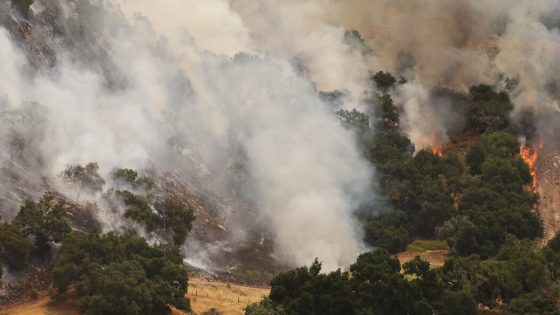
x=171 y=219
x=375 y=284
x=115 y=274
x=478 y=202
x=44 y=221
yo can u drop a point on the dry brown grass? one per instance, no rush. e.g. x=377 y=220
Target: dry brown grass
x=436 y=258
x=204 y=295
x=227 y=298
x=43 y=305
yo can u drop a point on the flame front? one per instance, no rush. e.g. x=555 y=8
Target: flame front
x=437 y=149
x=530 y=156
x=436 y=143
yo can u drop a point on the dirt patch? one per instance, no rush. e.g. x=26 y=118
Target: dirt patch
x=436 y=258
x=43 y=305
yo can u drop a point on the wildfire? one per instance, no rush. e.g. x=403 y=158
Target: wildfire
x=530 y=156
x=437 y=149
x=437 y=144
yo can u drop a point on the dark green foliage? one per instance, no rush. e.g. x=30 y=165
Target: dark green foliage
x=519 y=276
x=419 y=188
x=381 y=235
x=85 y=178
x=23 y=7
x=171 y=218
x=130 y=177
x=178 y=218
x=121 y=275
x=126 y=175
x=389 y=147
x=482 y=206
x=389 y=113
x=44 y=221
x=15 y=249
x=496 y=201
x=264 y=307
x=376 y=286
x=384 y=80
x=307 y=291
x=458 y=303
x=354 y=119
x=138 y=209
x=488 y=110
x=212 y=311
x=498 y=144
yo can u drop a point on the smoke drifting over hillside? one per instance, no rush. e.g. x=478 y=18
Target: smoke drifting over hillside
x=234 y=85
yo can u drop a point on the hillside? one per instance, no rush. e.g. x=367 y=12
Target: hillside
x=279 y=157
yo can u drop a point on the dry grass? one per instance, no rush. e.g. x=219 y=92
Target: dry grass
x=204 y=295
x=436 y=258
x=433 y=251
x=43 y=305
x=227 y=298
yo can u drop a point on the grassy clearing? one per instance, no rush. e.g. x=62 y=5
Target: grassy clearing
x=227 y=298
x=433 y=251
x=426 y=245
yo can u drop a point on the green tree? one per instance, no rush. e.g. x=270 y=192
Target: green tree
x=15 y=249
x=116 y=274
x=384 y=80
x=264 y=307
x=45 y=221
x=488 y=110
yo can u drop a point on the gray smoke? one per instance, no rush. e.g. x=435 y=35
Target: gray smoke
x=124 y=77
x=125 y=83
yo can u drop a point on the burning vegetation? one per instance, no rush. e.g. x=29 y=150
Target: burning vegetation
x=530 y=156
x=437 y=145
x=437 y=149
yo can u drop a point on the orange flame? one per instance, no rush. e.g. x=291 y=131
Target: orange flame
x=437 y=144
x=437 y=149
x=530 y=156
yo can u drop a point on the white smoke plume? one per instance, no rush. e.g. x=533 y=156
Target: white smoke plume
x=123 y=84
x=131 y=74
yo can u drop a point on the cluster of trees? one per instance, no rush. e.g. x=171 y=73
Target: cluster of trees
x=130 y=177
x=520 y=280
x=375 y=284
x=111 y=274
x=84 y=178
x=477 y=200
x=474 y=201
x=121 y=274
x=37 y=226
x=171 y=219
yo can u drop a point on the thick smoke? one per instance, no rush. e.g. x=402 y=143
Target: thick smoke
x=123 y=84
x=454 y=44
x=234 y=85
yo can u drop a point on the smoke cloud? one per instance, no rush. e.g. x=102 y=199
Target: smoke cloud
x=125 y=83
x=235 y=84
